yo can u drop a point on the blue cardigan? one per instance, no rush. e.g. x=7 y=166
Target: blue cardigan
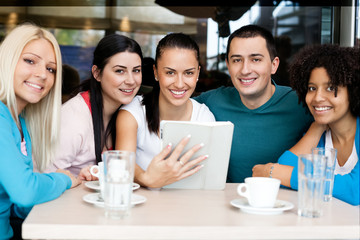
x=346 y=187
x=20 y=187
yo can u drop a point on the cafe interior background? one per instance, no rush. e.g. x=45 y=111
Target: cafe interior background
x=78 y=26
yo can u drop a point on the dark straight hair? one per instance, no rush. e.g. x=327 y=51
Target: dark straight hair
x=251 y=31
x=106 y=48
x=151 y=100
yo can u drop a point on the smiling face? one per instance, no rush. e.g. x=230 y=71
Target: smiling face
x=250 y=68
x=321 y=100
x=34 y=73
x=120 y=79
x=177 y=72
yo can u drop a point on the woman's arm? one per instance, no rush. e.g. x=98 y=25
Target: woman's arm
x=22 y=185
x=310 y=139
x=279 y=171
x=126 y=131
x=126 y=138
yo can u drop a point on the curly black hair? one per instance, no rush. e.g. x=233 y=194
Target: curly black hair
x=341 y=64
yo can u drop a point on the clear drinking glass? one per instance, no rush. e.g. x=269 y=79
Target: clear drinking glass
x=311 y=175
x=119 y=176
x=330 y=155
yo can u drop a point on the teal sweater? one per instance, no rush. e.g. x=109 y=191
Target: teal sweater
x=20 y=187
x=346 y=187
x=260 y=135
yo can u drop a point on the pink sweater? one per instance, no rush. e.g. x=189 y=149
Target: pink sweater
x=76 y=149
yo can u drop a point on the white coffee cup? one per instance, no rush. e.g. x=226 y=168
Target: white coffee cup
x=99 y=173
x=261 y=192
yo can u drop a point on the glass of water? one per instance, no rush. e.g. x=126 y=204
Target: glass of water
x=311 y=176
x=119 y=176
x=330 y=155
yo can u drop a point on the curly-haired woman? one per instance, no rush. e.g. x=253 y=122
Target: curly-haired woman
x=326 y=79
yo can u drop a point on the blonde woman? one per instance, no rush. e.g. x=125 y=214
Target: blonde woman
x=30 y=94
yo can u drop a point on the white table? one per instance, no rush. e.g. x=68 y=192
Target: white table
x=186 y=214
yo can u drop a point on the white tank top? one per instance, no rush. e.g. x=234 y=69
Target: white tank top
x=349 y=164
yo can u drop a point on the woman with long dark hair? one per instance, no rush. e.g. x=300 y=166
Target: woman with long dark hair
x=88 y=119
x=176 y=71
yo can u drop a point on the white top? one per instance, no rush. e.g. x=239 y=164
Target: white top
x=148 y=144
x=76 y=149
x=350 y=163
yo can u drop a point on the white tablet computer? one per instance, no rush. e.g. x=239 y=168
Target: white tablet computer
x=217 y=139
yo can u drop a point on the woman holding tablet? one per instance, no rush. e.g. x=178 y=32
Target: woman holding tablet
x=176 y=71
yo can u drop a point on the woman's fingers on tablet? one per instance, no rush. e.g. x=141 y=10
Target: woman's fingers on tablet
x=193 y=163
x=187 y=156
x=179 y=148
x=163 y=154
x=190 y=172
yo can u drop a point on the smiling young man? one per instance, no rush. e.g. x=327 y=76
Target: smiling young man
x=268 y=118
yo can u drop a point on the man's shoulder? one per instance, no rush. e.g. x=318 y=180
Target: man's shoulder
x=285 y=93
x=221 y=90
x=283 y=90
x=216 y=94
x=287 y=102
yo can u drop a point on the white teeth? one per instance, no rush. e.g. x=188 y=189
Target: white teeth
x=177 y=92
x=126 y=90
x=33 y=85
x=322 y=108
x=247 y=81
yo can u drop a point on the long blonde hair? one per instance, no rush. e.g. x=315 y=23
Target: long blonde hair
x=42 y=118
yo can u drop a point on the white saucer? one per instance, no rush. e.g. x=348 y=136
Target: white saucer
x=96 y=186
x=279 y=207
x=94 y=198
